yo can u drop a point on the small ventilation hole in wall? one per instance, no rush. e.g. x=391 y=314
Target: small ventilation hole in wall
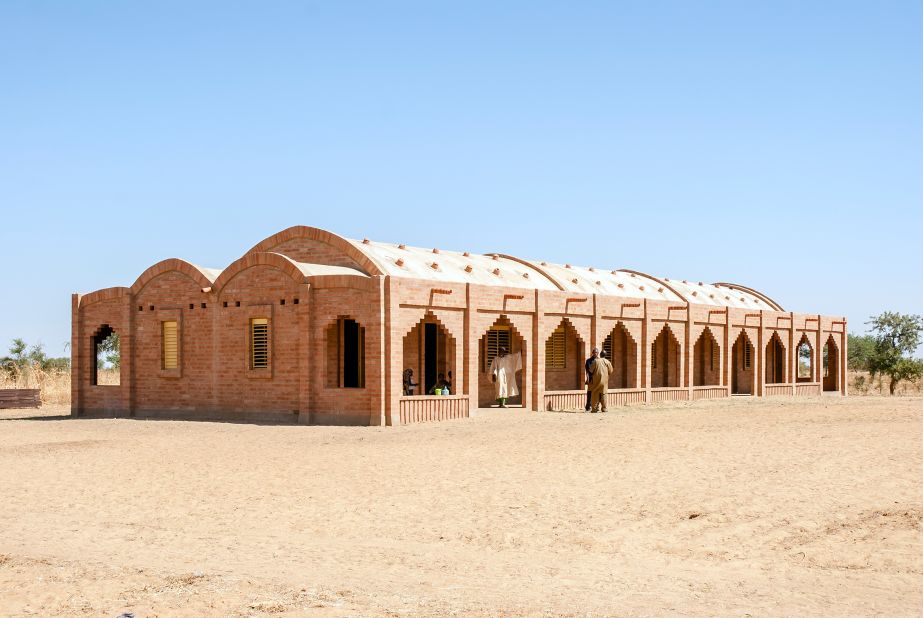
x=152 y=307
x=496 y=271
x=435 y=250
x=621 y=285
x=466 y=254
x=365 y=241
x=281 y=301
x=399 y=262
x=140 y=308
x=237 y=304
x=525 y=275
x=296 y=301
x=660 y=290
x=641 y=287
x=434 y=265
x=192 y=305
x=468 y=268
x=203 y=305
x=225 y=303
x=574 y=280
x=402 y=246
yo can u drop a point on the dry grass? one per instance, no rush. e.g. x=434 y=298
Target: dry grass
x=55 y=385
x=861 y=384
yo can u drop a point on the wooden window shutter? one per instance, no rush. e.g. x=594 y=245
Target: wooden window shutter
x=497 y=337
x=747 y=356
x=555 y=352
x=259 y=343
x=169 y=345
x=607 y=348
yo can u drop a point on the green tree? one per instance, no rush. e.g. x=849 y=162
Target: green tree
x=109 y=352
x=896 y=337
x=860 y=350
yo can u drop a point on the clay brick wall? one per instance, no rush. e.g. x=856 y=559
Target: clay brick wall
x=215 y=380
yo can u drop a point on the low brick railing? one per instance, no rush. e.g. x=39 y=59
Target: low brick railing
x=559 y=401
x=709 y=392
x=669 y=394
x=423 y=408
x=807 y=389
x=625 y=396
x=776 y=390
x=20 y=398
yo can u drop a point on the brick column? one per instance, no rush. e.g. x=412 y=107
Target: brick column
x=77 y=370
x=644 y=354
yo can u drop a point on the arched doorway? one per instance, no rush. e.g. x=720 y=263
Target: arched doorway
x=564 y=354
x=805 y=360
x=706 y=368
x=742 y=374
x=775 y=360
x=501 y=334
x=665 y=360
x=107 y=357
x=429 y=350
x=622 y=352
x=831 y=366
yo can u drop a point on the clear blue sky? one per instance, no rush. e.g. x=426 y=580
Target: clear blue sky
x=775 y=144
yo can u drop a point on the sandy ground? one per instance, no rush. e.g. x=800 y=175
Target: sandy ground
x=731 y=508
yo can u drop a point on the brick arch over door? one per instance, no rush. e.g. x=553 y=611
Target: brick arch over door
x=429 y=348
x=666 y=355
x=622 y=349
x=565 y=350
x=518 y=343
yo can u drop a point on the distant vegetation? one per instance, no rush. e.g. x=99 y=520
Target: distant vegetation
x=28 y=366
x=888 y=349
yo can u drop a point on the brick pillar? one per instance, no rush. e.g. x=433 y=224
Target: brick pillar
x=760 y=359
x=127 y=354
x=645 y=353
x=538 y=366
x=78 y=373
x=819 y=346
x=306 y=360
x=472 y=344
x=792 y=359
x=841 y=367
x=689 y=370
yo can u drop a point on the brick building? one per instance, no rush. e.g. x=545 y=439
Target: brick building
x=311 y=327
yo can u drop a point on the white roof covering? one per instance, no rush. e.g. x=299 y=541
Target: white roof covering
x=710 y=294
x=451 y=266
x=611 y=282
x=496 y=269
x=310 y=270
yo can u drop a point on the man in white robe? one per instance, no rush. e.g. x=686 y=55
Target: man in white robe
x=503 y=370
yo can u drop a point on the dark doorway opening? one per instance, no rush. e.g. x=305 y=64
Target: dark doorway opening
x=430 y=356
x=351 y=343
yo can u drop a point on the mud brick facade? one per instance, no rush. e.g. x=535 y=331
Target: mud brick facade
x=344 y=319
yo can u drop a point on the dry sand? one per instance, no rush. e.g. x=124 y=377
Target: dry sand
x=735 y=507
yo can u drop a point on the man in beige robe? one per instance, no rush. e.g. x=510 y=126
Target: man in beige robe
x=503 y=370
x=599 y=382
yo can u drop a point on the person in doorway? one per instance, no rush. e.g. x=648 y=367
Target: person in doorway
x=600 y=382
x=503 y=370
x=409 y=384
x=589 y=376
x=441 y=384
